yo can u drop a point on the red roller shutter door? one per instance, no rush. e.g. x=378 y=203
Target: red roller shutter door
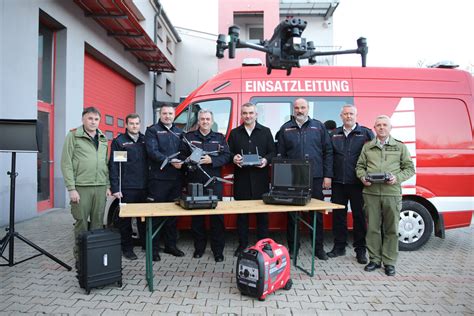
x=110 y=92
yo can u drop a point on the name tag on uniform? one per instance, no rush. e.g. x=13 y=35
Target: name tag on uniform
x=120 y=156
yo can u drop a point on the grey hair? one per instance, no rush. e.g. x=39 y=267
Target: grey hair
x=349 y=106
x=384 y=117
x=202 y=111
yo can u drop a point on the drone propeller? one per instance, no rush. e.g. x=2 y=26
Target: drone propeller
x=214 y=178
x=167 y=159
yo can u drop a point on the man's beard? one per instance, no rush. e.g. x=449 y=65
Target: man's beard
x=301 y=118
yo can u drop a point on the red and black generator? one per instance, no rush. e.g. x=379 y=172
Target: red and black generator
x=263 y=269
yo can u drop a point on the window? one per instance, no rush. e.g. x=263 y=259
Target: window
x=120 y=122
x=220 y=109
x=442 y=124
x=169 y=45
x=255 y=32
x=159 y=30
x=45 y=64
x=251 y=25
x=169 y=87
x=109 y=135
x=159 y=80
x=273 y=112
x=109 y=120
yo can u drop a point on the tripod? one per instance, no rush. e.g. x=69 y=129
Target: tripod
x=9 y=238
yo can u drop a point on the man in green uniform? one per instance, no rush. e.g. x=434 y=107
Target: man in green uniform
x=85 y=172
x=383 y=201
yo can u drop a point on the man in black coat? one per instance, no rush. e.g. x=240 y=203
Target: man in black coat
x=133 y=174
x=250 y=182
x=163 y=140
x=305 y=137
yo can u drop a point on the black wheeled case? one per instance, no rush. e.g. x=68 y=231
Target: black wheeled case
x=100 y=259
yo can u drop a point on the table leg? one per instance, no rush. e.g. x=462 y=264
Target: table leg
x=149 y=253
x=313 y=250
x=296 y=219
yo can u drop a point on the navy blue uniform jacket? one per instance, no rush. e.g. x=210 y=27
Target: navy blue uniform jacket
x=312 y=139
x=211 y=142
x=134 y=171
x=161 y=143
x=347 y=151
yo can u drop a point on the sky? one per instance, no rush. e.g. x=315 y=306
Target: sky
x=400 y=33
x=405 y=33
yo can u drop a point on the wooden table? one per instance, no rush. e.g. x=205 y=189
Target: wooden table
x=147 y=211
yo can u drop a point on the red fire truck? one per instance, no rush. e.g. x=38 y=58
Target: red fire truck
x=432 y=112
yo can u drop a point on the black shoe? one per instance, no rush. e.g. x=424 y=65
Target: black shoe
x=198 y=254
x=361 y=257
x=372 y=266
x=335 y=252
x=219 y=258
x=390 y=270
x=129 y=254
x=239 y=249
x=174 y=251
x=156 y=256
x=321 y=254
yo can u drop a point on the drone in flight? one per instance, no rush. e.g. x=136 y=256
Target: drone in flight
x=194 y=159
x=286 y=47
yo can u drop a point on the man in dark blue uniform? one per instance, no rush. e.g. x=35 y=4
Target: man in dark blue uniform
x=347 y=142
x=209 y=141
x=303 y=137
x=251 y=182
x=132 y=188
x=163 y=140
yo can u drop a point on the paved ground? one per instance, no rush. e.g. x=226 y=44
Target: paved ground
x=436 y=280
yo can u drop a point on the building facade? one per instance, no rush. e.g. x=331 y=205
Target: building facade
x=57 y=57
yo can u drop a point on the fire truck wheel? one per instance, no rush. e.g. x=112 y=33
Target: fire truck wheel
x=288 y=285
x=415 y=226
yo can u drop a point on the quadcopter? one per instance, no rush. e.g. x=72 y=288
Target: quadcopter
x=194 y=159
x=286 y=47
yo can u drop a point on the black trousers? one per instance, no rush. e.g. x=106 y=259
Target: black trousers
x=125 y=223
x=243 y=227
x=341 y=194
x=198 y=229
x=165 y=191
x=317 y=194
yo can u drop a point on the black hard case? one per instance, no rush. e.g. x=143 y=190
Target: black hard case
x=100 y=259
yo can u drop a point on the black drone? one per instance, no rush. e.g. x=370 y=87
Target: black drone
x=194 y=159
x=286 y=47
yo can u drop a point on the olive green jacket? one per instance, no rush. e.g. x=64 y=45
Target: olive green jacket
x=394 y=158
x=81 y=163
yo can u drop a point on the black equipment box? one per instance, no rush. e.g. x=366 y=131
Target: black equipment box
x=195 y=198
x=100 y=259
x=291 y=182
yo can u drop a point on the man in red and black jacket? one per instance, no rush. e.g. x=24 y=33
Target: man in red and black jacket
x=347 y=142
x=162 y=141
x=132 y=188
x=301 y=138
x=212 y=164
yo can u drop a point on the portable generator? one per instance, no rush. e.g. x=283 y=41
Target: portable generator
x=263 y=269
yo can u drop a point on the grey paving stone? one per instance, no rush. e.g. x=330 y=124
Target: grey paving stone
x=442 y=285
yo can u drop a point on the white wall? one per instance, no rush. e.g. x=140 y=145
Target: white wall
x=18 y=85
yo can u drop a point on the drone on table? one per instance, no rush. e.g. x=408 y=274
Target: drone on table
x=194 y=159
x=286 y=47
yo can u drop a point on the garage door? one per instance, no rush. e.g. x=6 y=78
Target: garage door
x=110 y=92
